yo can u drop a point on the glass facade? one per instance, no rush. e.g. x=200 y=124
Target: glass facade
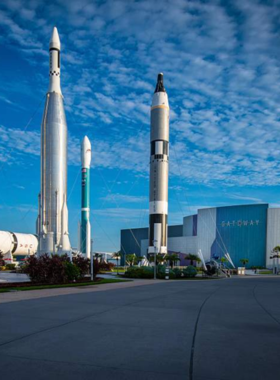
x=241 y=231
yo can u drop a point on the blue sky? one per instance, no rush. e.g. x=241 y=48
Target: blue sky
x=221 y=61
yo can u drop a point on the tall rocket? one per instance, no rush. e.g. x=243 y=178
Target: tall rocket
x=52 y=222
x=85 y=233
x=159 y=139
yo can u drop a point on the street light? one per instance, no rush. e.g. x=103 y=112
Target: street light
x=275 y=266
x=155 y=259
x=91 y=260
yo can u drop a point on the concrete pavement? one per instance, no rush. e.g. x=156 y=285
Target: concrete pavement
x=197 y=330
x=6 y=277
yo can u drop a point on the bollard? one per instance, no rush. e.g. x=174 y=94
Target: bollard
x=166 y=273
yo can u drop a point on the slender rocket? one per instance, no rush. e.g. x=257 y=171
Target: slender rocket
x=85 y=232
x=52 y=222
x=159 y=169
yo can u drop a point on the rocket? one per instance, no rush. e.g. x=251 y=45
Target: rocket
x=85 y=232
x=159 y=139
x=52 y=222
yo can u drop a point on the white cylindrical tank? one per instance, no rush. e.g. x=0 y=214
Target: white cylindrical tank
x=6 y=242
x=18 y=244
x=26 y=244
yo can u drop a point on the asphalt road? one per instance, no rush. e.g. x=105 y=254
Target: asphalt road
x=199 y=330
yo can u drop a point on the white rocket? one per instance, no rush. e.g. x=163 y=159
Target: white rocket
x=52 y=223
x=159 y=161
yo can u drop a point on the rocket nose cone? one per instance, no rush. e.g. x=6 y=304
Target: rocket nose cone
x=86 y=143
x=55 y=41
x=160 y=86
x=86 y=152
x=160 y=77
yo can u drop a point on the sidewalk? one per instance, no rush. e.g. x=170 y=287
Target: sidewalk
x=34 y=294
x=6 y=277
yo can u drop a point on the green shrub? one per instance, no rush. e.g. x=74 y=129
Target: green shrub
x=2 y=267
x=161 y=272
x=10 y=266
x=177 y=272
x=190 y=271
x=132 y=272
x=148 y=272
x=72 y=271
x=139 y=272
x=53 y=269
x=83 y=264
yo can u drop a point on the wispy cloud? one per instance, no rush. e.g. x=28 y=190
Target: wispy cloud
x=219 y=72
x=243 y=198
x=122 y=198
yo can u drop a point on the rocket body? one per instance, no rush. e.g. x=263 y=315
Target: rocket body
x=159 y=162
x=85 y=232
x=52 y=225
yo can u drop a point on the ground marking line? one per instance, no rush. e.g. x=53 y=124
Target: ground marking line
x=195 y=331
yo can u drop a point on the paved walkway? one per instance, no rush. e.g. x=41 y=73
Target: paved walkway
x=197 y=330
x=6 y=277
x=44 y=293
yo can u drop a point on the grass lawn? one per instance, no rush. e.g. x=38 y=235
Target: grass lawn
x=104 y=281
x=112 y=271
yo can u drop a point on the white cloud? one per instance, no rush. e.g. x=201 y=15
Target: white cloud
x=241 y=197
x=222 y=73
x=123 y=198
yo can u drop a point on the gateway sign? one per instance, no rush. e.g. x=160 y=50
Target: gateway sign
x=240 y=223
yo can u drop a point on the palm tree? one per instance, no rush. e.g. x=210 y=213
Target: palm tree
x=244 y=262
x=98 y=256
x=193 y=258
x=117 y=256
x=130 y=259
x=172 y=259
x=161 y=258
x=224 y=260
x=276 y=250
x=139 y=259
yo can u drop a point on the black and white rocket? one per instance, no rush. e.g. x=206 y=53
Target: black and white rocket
x=159 y=169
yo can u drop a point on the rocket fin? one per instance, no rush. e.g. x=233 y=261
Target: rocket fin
x=65 y=242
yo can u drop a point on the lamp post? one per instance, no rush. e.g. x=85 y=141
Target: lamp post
x=155 y=259
x=91 y=260
x=275 y=257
